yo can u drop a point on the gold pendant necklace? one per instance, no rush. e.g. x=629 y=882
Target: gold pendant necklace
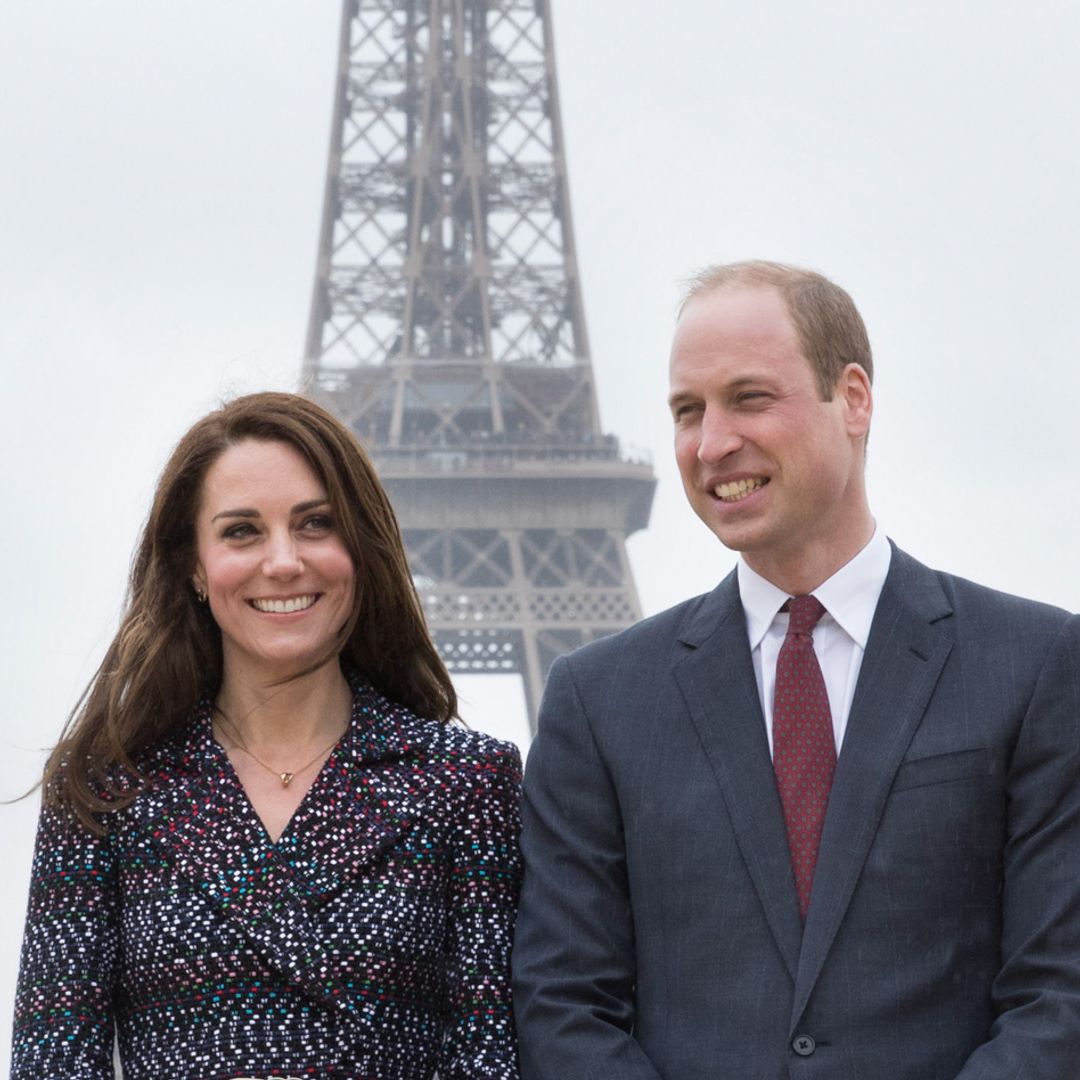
x=286 y=778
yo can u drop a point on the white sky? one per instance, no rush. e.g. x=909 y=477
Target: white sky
x=161 y=195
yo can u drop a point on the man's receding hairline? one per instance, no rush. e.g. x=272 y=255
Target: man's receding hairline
x=826 y=320
x=749 y=274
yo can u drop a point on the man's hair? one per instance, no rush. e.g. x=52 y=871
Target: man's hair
x=829 y=327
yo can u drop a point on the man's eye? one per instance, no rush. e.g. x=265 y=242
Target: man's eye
x=752 y=397
x=683 y=412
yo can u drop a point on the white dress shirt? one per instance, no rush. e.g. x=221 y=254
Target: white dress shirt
x=850 y=599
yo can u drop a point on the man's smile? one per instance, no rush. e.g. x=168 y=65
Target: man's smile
x=737 y=490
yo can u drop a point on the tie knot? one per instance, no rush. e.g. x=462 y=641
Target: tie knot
x=805 y=612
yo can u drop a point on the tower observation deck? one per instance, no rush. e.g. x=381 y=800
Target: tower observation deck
x=447 y=329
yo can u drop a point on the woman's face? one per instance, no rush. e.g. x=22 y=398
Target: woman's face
x=271 y=560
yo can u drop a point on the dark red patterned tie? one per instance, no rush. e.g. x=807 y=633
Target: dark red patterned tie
x=804 y=749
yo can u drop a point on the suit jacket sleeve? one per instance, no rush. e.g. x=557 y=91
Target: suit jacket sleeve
x=574 y=965
x=1037 y=991
x=483 y=893
x=63 y=1005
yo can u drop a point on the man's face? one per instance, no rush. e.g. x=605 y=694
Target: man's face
x=774 y=471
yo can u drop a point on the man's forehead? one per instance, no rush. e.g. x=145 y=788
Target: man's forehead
x=744 y=310
x=733 y=326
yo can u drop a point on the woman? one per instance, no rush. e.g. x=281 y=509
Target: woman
x=264 y=851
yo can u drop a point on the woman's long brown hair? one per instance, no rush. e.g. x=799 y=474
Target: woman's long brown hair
x=167 y=652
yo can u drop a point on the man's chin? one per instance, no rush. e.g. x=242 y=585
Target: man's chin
x=735 y=538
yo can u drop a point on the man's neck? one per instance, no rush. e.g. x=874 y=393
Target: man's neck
x=800 y=572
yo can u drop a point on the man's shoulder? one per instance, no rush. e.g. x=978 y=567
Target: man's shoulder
x=627 y=675
x=966 y=599
x=653 y=637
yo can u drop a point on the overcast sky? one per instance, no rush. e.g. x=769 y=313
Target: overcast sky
x=161 y=196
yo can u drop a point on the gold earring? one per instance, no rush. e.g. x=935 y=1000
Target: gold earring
x=200 y=595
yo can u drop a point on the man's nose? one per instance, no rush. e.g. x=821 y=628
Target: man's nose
x=719 y=436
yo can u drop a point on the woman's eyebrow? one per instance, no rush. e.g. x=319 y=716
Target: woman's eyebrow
x=244 y=513
x=299 y=508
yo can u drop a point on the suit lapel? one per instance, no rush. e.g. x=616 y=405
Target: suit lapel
x=716 y=677
x=369 y=791
x=905 y=654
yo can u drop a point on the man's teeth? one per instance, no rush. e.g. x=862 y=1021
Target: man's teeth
x=283 y=607
x=737 y=489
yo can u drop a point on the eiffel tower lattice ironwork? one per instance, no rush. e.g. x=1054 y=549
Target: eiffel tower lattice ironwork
x=447 y=329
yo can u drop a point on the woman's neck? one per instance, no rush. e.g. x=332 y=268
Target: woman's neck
x=308 y=709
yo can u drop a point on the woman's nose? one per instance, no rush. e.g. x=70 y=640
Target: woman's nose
x=282 y=557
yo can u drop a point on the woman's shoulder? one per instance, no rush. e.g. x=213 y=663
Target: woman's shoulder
x=451 y=745
x=181 y=749
x=112 y=786
x=483 y=755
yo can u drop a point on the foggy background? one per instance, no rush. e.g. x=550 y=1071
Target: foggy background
x=160 y=202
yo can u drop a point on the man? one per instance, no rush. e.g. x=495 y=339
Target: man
x=823 y=822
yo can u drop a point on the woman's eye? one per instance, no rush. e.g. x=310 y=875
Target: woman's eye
x=240 y=531
x=318 y=523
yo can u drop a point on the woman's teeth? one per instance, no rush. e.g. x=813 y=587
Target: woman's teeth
x=284 y=607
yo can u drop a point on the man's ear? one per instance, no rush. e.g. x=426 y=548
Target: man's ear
x=855 y=391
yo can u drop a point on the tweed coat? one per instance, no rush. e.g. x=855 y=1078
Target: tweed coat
x=371 y=941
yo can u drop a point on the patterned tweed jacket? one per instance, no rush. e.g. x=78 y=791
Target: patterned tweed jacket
x=371 y=942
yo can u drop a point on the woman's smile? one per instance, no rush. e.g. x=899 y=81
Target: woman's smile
x=273 y=606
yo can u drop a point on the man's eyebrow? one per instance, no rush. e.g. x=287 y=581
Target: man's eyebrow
x=680 y=395
x=756 y=378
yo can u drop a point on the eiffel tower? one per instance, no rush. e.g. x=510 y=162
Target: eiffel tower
x=447 y=329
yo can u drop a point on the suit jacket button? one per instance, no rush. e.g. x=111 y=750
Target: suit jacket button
x=803 y=1045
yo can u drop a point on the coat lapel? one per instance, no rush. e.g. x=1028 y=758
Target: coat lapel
x=378 y=783
x=372 y=787
x=716 y=677
x=909 y=641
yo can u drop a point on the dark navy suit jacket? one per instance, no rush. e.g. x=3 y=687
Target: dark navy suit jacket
x=659 y=934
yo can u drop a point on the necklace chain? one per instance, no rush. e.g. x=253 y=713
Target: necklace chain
x=286 y=778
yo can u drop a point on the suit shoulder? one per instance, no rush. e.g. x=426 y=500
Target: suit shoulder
x=971 y=598
x=976 y=612
x=649 y=638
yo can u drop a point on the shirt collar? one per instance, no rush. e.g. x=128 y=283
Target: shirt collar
x=850 y=596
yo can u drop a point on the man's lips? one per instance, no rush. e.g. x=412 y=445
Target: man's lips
x=734 y=491
x=273 y=606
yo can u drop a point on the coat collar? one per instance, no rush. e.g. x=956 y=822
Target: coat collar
x=910 y=638
x=376 y=782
